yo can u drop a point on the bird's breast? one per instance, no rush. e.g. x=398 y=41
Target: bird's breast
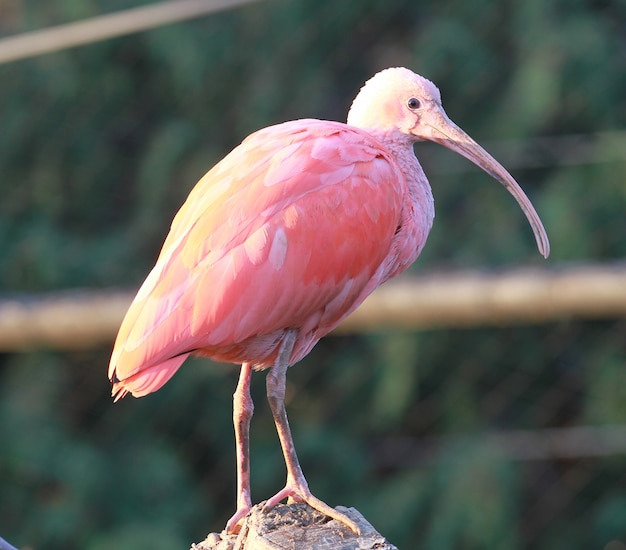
x=417 y=211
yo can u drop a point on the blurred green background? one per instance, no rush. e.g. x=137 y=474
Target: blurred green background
x=99 y=145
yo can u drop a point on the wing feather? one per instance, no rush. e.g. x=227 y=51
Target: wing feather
x=289 y=230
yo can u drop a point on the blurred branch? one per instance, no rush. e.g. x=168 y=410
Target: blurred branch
x=4 y=545
x=125 y=22
x=83 y=319
x=284 y=525
x=566 y=443
x=78 y=319
x=477 y=298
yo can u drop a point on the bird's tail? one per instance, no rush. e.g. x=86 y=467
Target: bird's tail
x=148 y=379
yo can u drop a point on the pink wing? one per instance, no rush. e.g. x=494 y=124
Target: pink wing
x=291 y=230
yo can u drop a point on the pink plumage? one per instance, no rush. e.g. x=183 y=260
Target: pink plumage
x=297 y=239
x=283 y=239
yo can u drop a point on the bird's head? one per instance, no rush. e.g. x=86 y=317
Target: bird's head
x=396 y=101
x=403 y=106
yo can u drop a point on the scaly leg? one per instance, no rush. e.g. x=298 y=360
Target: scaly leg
x=296 y=486
x=243 y=407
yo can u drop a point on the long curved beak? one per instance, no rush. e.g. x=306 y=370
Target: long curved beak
x=436 y=126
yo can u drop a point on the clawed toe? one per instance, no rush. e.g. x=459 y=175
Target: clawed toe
x=233 y=525
x=299 y=494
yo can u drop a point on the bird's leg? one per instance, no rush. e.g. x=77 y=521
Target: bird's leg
x=296 y=487
x=243 y=407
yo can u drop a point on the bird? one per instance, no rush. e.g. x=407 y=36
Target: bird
x=283 y=239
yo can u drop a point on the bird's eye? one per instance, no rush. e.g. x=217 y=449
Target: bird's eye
x=414 y=103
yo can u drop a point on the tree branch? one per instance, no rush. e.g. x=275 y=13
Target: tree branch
x=83 y=319
x=297 y=526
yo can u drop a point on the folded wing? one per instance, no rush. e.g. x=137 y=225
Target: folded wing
x=291 y=230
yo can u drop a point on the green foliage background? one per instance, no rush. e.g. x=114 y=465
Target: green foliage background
x=99 y=146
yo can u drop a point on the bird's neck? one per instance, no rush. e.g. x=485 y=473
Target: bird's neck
x=418 y=210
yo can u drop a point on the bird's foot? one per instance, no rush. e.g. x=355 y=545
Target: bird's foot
x=233 y=525
x=244 y=505
x=298 y=493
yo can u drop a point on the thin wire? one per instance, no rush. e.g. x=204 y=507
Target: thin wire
x=103 y=27
x=573 y=442
x=547 y=151
x=540 y=152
